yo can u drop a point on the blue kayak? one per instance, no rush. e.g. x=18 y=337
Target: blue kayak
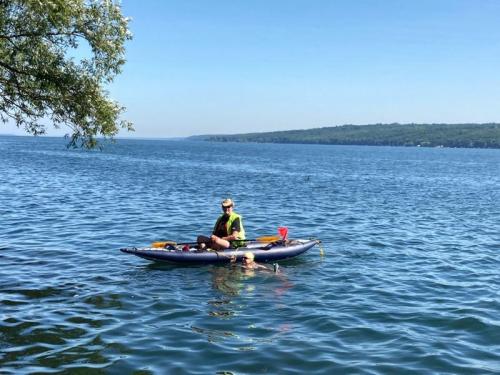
x=262 y=252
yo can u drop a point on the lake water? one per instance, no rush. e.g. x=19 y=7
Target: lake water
x=408 y=282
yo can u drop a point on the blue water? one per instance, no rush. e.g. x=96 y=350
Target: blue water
x=408 y=281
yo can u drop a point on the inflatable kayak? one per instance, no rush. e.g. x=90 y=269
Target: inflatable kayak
x=263 y=252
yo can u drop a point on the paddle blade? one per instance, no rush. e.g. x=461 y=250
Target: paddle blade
x=268 y=239
x=163 y=244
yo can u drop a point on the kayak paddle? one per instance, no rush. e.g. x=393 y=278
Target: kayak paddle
x=162 y=244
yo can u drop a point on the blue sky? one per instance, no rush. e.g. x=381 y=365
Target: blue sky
x=206 y=67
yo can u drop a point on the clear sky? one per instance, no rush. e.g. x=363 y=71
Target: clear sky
x=233 y=66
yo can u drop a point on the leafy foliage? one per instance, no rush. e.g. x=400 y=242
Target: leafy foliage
x=429 y=135
x=43 y=76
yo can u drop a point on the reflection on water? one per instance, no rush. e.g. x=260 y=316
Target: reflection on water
x=228 y=319
x=234 y=280
x=227 y=280
x=213 y=335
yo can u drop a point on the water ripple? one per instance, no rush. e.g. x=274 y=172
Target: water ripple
x=407 y=281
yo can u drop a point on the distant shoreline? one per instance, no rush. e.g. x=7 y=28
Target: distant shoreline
x=401 y=135
x=407 y=135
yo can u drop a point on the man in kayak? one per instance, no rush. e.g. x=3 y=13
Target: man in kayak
x=228 y=230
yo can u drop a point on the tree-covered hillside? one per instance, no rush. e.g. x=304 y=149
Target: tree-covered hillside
x=427 y=135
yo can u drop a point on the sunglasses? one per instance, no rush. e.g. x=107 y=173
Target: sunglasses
x=226 y=208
